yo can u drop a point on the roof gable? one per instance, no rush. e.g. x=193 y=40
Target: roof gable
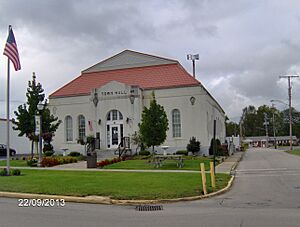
x=128 y=59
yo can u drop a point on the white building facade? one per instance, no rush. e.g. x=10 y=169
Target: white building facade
x=108 y=99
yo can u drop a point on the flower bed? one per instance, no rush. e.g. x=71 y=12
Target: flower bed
x=106 y=162
x=54 y=161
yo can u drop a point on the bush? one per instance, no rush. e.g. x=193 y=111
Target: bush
x=144 y=153
x=54 y=161
x=16 y=172
x=74 y=154
x=194 y=145
x=47 y=147
x=48 y=153
x=106 y=162
x=182 y=152
x=3 y=172
x=32 y=162
x=219 y=149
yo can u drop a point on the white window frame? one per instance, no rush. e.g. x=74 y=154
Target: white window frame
x=176 y=123
x=81 y=127
x=69 y=128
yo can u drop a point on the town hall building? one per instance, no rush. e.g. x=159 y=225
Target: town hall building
x=107 y=100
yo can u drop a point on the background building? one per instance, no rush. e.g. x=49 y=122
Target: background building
x=107 y=101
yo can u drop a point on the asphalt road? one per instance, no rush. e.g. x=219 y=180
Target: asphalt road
x=266 y=192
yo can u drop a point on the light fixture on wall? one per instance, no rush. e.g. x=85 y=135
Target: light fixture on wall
x=95 y=98
x=128 y=120
x=99 y=122
x=192 y=100
x=131 y=97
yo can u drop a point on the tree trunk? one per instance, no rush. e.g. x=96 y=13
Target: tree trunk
x=153 y=149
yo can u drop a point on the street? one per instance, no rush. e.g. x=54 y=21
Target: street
x=266 y=192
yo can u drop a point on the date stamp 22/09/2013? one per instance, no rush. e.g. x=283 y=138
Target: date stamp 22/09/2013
x=41 y=203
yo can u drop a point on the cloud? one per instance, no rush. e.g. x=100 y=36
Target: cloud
x=244 y=46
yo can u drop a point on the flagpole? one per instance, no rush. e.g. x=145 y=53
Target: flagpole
x=7 y=119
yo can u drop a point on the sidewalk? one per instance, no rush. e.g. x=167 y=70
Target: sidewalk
x=230 y=163
x=225 y=167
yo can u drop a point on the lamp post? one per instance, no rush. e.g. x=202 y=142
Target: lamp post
x=193 y=57
x=38 y=129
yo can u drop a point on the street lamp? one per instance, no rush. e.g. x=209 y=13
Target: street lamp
x=38 y=128
x=193 y=57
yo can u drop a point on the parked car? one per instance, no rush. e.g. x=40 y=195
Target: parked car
x=12 y=152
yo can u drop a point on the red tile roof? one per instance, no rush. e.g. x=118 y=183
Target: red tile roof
x=148 y=77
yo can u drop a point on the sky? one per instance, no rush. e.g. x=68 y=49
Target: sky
x=243 y=45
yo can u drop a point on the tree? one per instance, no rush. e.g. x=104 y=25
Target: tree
x=194 y=145
x=25 y=116
x=218 y=147
x=154 y=124
x=232 y=128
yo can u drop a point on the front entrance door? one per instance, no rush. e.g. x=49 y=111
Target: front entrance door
x=115 y=136
x=114 y=129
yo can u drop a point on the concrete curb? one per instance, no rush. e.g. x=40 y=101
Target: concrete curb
x=184 y=199
x=234 y=167
x=107 y=200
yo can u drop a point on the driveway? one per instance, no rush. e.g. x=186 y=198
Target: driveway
x=266 y=192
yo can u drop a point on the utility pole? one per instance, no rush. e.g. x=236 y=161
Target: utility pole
x=266 y=123
x=274 y=130
x=290 y=105
x=193 y=57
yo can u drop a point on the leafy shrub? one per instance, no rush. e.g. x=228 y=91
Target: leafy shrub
x=3 y=172
x=194 y=145
x=16 y=172
x=48 y=153
x=47 y=147
x=144 y=153
x=182 y=152
x=74 y=154
x=54 y=161
x=32 y=162
x=106 y=162
x=219 y=149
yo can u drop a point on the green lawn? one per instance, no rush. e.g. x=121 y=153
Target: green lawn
x=295 y=152
x=189 y=164
x=118 y=185
x=14 y=163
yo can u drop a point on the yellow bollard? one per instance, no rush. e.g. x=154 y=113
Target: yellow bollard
x=212 y=175
x=203 y=178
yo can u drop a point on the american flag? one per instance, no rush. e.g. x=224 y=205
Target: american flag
x=11 y=50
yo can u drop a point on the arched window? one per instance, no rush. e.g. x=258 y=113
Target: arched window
x=176 y=124
x=114 y=115
x=81 y=127
x=69 y=128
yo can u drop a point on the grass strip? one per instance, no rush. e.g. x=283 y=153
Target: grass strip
x=14 y=163
x=117 y=185
x=295 y=152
